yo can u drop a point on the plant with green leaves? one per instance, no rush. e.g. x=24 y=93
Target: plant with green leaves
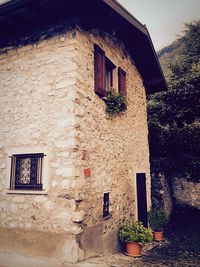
x=157 y=219
x=115 y=103
x=174 y=115
x=134 y=232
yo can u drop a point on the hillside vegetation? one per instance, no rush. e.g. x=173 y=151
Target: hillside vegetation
x=167 y=54
x=174 y=115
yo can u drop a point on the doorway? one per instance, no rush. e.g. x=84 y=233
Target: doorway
x=141 y=198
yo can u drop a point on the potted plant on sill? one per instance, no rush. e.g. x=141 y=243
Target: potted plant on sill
x=116 y=103
x=134 y=235
x=157 y=220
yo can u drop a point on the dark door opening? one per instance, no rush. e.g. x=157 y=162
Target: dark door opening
x=142 y=198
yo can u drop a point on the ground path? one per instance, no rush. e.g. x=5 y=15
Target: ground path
x=116 y=260
x=180 y=249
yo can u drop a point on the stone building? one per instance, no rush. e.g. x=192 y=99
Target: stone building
x=69 y=173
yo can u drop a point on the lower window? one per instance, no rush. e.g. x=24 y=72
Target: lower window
x=26 y=172
x=105 y=205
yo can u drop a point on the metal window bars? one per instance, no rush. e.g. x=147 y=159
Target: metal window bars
x=105 y=204
x=26 y=172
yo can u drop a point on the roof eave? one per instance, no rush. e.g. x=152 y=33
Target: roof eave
x=117 y=7
x=154 y=85
x=137 y=40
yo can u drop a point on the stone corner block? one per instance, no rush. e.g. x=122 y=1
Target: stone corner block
x=78 y=216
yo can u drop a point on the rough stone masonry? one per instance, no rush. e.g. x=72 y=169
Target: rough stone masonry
x=47 y=101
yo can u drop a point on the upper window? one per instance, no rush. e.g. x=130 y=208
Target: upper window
x=109 y=73
x=26 y=172
x=104 y=70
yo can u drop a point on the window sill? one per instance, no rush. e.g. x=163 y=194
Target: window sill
x=27 y=192
x=107 y=217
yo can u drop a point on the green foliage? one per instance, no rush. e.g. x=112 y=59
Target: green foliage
x=134 y=232
x=167 y=54
x=169 y=49
x=115 y=103
x=157 y=219
x=174 y=116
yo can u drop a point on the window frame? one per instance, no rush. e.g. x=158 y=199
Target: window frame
x=106 y=205
x=44 y=175
x=109 y=71
x=35 y=172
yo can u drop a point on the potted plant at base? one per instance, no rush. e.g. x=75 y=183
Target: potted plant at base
x=157 y=220
x=134 y=235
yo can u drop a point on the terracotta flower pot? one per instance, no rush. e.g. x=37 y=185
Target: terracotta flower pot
x=133 y=249
x=158 y=236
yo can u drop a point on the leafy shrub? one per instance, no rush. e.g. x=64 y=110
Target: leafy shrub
x=174 y=115
x=115 y=103
x=134 y=232
x=157 y=219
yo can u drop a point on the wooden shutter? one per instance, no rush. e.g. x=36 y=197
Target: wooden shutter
x=122 y=81
x=99 y=71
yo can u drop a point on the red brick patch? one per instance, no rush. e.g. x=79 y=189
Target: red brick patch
x=87 y=172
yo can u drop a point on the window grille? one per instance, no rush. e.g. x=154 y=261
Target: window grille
x=106 y=204
x=26 y=172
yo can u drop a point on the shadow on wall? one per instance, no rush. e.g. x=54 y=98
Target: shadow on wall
x=168 y=192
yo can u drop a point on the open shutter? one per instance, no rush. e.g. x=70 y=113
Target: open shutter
x=99 y=71
x=122 y=81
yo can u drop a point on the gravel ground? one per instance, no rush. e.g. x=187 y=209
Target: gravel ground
x=182 y=244
x=181 y=247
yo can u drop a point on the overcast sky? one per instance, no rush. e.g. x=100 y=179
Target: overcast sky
x=164 y=18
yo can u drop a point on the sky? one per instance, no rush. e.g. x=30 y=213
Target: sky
x=164 y=18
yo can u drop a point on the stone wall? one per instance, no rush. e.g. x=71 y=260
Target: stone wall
x=186 y=192
x=47 y=100
x=114 y=149
x=37 y=95
x=161 y=192
x=168 y=192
